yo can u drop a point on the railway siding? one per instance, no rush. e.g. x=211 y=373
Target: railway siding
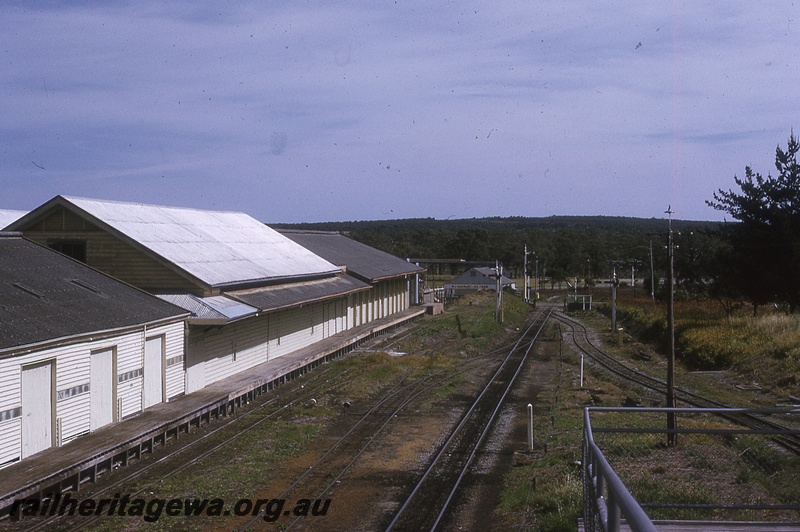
x=58 y=470
x=428 y=504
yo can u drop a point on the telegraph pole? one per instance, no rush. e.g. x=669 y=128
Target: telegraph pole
x=526 y=278
x=614 y=283
x=672 y=437
x=652 y=275
x=633 y=264
x=499 y=286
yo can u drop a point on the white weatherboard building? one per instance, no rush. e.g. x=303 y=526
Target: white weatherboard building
x=253 y=293
x=78 y=349
x=388 y=275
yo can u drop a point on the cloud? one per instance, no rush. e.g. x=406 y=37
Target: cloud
x=430 y=109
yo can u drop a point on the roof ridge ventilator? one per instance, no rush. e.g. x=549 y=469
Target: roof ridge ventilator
x=85 y=285
x=28 y=289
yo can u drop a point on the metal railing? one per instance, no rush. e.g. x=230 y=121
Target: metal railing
x=605 y=497
x=727 y=464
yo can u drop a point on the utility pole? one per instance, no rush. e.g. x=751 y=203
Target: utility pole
x=588 y=267
x=672 y=437
x=614 y=285
x=526 y=279
x=652 y=275
x=499 y=287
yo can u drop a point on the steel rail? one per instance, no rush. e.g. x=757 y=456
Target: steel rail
x=302 y=395
x=309 y=393
x=489 y=423
x=293 y=396
x=393 y=392
x=386 y=419
x=457 y=431
x=789 y=442
x=300 y=391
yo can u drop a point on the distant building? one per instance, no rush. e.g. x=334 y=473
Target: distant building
x=78 y=349
x=475 y=280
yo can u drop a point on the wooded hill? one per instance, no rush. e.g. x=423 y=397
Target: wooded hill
x=566 y=246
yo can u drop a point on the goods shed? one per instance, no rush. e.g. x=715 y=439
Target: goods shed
x=78 y=349
x=253 y=293
x=389 y=276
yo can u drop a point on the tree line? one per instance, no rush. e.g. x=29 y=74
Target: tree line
x=753 y=260
x=565 y=247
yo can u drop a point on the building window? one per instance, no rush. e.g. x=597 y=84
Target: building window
x=71 y=248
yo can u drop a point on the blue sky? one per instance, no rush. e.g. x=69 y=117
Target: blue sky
x=357 y=110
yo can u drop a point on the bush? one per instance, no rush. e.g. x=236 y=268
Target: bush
x=766 y=347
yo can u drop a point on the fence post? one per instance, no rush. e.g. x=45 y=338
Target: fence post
x=612 y=525
x=600 y=481
x=530 y=427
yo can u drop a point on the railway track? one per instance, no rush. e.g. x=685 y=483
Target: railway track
x=426 y=507
x=189 y=453
x=328 y=471
x=657 y=388
x=176 y=459
x=427 y=503
x=332 y=465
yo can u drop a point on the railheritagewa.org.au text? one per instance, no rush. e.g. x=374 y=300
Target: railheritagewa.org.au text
x=151 y=510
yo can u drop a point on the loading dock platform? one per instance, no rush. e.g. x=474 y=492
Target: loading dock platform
x=61 y=469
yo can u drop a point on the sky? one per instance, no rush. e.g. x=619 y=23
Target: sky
x=313 y=111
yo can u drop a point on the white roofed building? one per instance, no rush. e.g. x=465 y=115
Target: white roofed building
x=7 y=216
x=204 y=251
x=475 y=280
x=254 y=294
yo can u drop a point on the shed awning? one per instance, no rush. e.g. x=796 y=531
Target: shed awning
x=215 y=310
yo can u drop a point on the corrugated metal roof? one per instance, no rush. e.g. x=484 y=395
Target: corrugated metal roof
x=217 y=247
x=219 y=309
x=7 y=216
x=269 y=298
x=47 y=296
x=230 y=308
x=363 y=261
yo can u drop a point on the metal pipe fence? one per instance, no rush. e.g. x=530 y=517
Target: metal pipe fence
x=605 y=497
x=726 y=465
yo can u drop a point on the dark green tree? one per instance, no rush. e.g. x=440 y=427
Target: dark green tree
x=766 y=244
x=470 y=244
